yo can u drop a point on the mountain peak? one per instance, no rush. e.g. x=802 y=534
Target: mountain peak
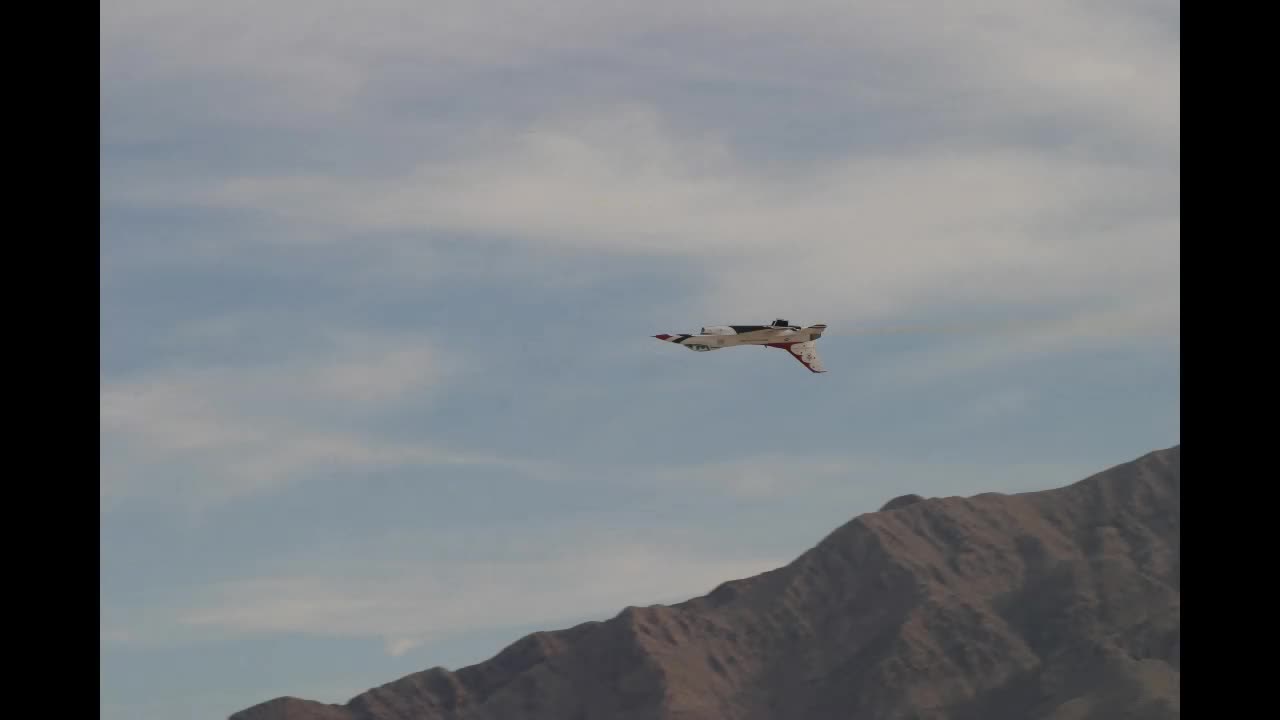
x=1048 y=604
x=900 y=502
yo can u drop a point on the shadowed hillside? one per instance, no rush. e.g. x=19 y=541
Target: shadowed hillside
x=1054 y=605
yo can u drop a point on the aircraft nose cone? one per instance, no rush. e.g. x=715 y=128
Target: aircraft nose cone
x=662 y=337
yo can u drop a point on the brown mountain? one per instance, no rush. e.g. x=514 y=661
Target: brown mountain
x=1054 y=605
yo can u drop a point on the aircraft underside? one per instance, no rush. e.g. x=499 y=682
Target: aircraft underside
x=799 y=342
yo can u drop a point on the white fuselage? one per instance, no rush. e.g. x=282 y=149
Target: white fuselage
x=798 y=341
x=714 y=338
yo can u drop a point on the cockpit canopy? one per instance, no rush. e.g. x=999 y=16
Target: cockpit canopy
x=781 y=323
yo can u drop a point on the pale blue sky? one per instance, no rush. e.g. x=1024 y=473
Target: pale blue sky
x=379 y=282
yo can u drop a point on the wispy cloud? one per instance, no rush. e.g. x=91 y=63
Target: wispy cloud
x=771 y=475
x=979 y=210
x=1151 y=322
x=403 y=603
x=407 y=588
x=757 y=477
x=1001 y=404
x=203 y=436
x=846 y=241
x=1112 y=60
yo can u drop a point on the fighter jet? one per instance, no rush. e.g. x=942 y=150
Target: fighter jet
x=796 y=340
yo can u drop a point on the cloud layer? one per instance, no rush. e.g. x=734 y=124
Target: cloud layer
x=214 y=434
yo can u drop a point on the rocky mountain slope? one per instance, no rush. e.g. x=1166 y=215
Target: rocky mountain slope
x=1054 y=605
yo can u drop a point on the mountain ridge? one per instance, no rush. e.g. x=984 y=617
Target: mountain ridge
x=1059 y=604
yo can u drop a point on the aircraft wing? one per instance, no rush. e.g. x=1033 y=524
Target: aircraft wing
x=806 y=352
